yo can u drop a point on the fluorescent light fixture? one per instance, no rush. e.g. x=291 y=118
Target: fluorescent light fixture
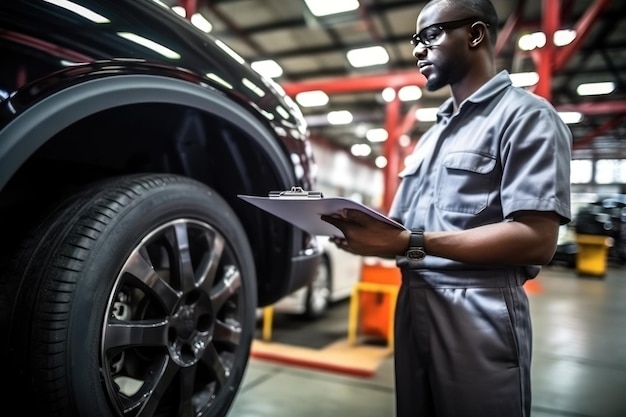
x=180 y=10
x=380 y=161
x=595 y=89
x=328 y=7
x=314 y=98
x=404 y=141
x=524 y=79
x=535 y=40
x=426 y=114
x=361 y=149
x=377 y=135
x=571 y=117
x=339 y=117
x=234 y=55
x=269 y=68
x=564 y=37
x=531 y=41
x=410 y=93
x=201 y=23
x=80 y=10
x=366 y=57
x=389 y=94
x=150 y=44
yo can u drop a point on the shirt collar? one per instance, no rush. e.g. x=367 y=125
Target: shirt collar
x=488 y=90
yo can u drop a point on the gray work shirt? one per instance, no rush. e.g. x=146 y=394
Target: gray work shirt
x=505 y=150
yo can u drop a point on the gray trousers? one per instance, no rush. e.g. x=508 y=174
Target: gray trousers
x=462 y=345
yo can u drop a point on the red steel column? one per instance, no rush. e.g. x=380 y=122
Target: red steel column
x=550 y=24
x=191 y=6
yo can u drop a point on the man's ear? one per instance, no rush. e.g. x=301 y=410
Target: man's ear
x=478 y=33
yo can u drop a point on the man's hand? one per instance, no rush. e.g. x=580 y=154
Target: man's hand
x=367 y=236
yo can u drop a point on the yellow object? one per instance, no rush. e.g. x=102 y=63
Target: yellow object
x=390 y=289
x=268 y=317
x=592 y=255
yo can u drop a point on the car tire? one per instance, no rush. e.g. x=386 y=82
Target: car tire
x=318 y=292
x=137 y=297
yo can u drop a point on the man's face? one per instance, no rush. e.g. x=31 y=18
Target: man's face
x=441 y=36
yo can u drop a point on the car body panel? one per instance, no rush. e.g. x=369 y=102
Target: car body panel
x=60 y=67
x=345 y=271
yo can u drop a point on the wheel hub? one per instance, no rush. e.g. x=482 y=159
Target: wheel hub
x=189 y=332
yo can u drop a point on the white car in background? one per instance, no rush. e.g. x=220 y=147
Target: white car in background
x=338 y=272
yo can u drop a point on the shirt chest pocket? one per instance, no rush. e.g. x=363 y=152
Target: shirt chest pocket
x=465 y=181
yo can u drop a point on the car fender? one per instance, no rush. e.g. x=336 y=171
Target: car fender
x=32 y=127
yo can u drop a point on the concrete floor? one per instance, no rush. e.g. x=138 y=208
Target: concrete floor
x=579 y=362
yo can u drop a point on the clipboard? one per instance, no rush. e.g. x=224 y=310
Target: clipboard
x=304 y=209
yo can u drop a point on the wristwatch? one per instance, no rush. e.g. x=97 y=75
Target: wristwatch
x=416 y=246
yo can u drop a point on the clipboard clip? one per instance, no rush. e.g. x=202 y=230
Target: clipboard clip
x=296 y=192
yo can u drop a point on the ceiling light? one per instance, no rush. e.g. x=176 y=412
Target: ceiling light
x=427 y=114
x=326 y=7
x=404 y=141
x=531 y=41
x=389 y=94
x=571 y=117
x=535 y=40
x=410 y=93
x=524 y=79
x=380 y=161
x=377 y=135
x=365 y=57
x=201 y=23
x=268 y=68
x=564 y=37
x=360 y=149
x=339 y=117
x=313 y=98
x=595 y=89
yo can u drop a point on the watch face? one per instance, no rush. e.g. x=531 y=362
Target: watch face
x=415 y=254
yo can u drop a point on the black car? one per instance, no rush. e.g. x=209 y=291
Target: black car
x=130 y=272
x=606 y=217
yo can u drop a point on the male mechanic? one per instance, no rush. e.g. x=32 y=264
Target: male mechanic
x=482 y=197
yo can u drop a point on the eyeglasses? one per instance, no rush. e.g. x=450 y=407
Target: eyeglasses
x=431 y=35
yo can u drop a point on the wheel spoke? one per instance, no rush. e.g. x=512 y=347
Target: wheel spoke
x=228 y=285
x=139 y=268
x=212 y=360
x=228 y=333
x=179 y=240
x=187 y=385
x=153 y=389
x=121 y=334
x=207 y=268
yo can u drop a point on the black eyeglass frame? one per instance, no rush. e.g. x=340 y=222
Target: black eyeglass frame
x=417 y=38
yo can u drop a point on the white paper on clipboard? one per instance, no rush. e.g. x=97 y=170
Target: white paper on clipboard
x=306 y=213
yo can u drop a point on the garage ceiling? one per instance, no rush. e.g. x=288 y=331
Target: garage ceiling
x=312 y=53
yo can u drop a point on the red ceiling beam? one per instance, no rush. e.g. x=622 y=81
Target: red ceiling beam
x=356 y=83
x=509 y=27
x=582 y=27
x=550 y=24
x=190 y=6
x=595 y=108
